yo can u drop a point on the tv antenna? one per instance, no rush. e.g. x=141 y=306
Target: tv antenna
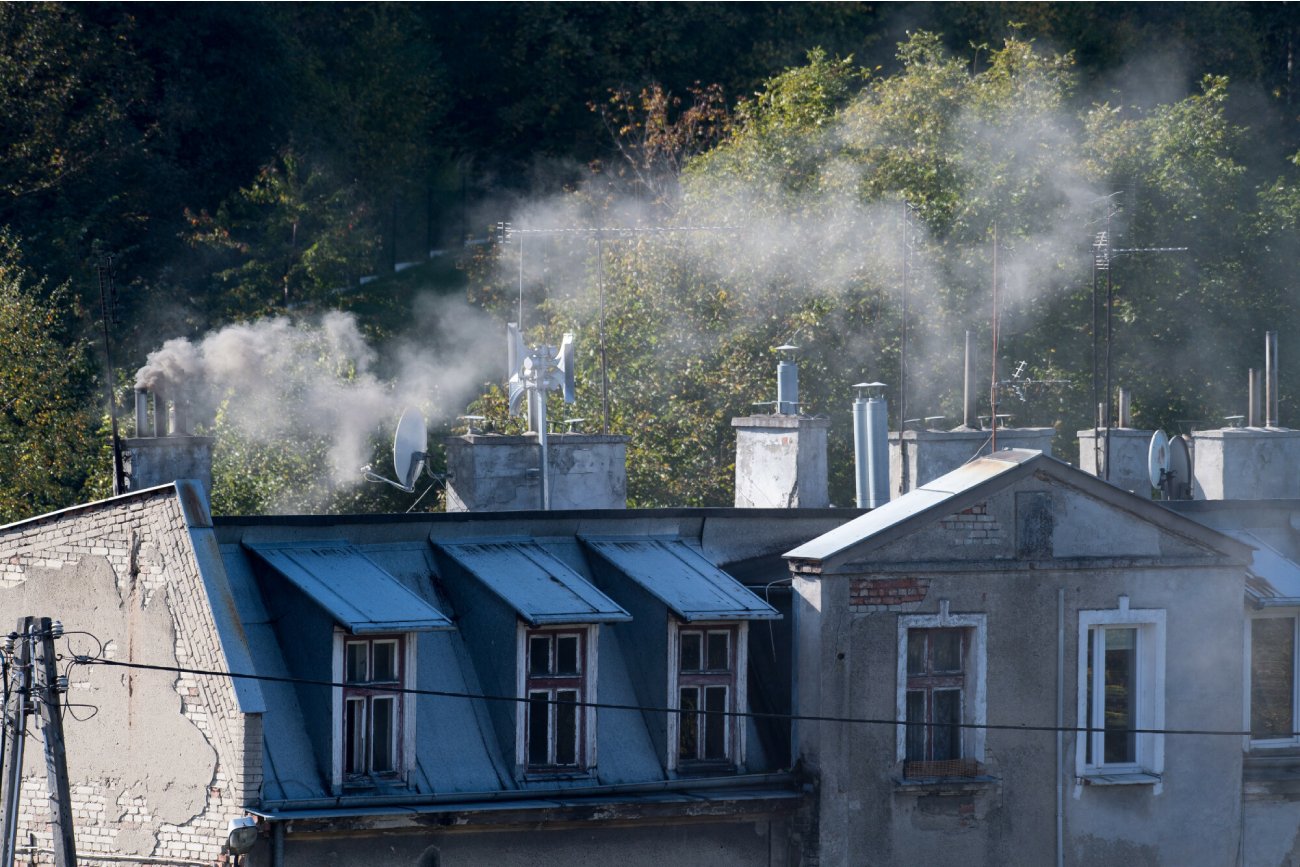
x=410 y=457
x=1103 y=254
x=532 y=374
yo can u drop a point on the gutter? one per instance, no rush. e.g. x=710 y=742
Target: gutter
x=286 y=809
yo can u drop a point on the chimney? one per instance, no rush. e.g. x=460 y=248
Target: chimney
x=781 y=457
x=871 y=446
x=489 y=472
x=165 y=450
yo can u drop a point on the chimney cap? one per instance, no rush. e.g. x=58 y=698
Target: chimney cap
x=861 y=385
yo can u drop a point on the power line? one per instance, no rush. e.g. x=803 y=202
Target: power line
x=746 y=714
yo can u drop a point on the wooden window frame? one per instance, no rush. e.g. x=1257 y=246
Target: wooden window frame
x=360 y=697
x=1266 y=742
x=701 y=680
x=545 y=691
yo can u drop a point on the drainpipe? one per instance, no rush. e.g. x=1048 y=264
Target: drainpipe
x=277 y=844
x=1060 y=723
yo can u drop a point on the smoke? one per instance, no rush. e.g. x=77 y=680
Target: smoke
x=319 y=383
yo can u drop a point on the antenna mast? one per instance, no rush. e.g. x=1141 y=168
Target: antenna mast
x=108 y=311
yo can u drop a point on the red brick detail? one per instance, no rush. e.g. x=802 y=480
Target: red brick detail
x=887 y=591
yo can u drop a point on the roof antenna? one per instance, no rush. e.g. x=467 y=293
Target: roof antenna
x=532 y=374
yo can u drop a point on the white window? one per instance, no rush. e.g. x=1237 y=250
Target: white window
x=707 y=662
x=1273 y=699
x=941 y=693
x=1121 y=691
x=374 y=725
x=557 y=677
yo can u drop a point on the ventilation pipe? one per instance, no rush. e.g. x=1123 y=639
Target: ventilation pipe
x=969 y=420
x=787 y=381
x=1270 y=379
x=141 y=412
x=1253 y=404
x=1125 y=404
x=871 y=446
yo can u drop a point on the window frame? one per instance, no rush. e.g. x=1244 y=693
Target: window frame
x=1149 y=748
x=1248 y=679
x=974 y=712
x=403 y=736
x=583 y=682
x=733 y=679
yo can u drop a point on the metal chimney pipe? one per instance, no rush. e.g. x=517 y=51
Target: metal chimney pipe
x=1270 y=379
x=180 y=419
x=1125 y=416
x=871 y=446
x=1253 y=396
x=861 y=455
x=159 y=412
x=787 y=382
x=142 y=412
x=968 y=417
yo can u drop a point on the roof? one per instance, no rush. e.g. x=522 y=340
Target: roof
x=682 y=578
x=1274 y=578
x=357 y=593
x=532 y=581
x=930 y=496
x=977 y=479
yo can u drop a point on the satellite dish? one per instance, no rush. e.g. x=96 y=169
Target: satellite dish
x=1158 y=458
x=409 y=444
x=409 y=455
x=564 y=363
x=1180 y=468
x=516 y=355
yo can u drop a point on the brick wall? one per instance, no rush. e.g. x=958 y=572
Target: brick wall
x=973 y=526
x=146 y=542
x=886 y=594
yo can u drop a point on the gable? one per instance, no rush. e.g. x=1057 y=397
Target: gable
x=1034 y=509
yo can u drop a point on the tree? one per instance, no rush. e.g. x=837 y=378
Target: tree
x=51 y=443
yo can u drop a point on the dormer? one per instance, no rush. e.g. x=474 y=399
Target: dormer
x=532 y=625
x=341 y=619
x=691 y=624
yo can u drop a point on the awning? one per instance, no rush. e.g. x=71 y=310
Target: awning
x=532 y=581
x=682 y=578
x=350 y=587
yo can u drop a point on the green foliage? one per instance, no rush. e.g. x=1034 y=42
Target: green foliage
x=51 y=441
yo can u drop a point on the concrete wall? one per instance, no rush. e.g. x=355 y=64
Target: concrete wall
x=781 y=462
x=488 y=472
x=933 y=453
x=1128 y=457
x=742 y=844
x=152 y=461
x=166 y=761
x=1246 y=464
x=848 y=664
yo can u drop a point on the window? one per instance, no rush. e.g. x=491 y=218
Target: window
x=1121 y=691
x=1272 y=680
x=371 y=710
x=705 y=683
x=941 y=694
x=558 y=679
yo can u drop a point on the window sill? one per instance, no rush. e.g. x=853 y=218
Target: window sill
x=945 y=785
x=1122 y=778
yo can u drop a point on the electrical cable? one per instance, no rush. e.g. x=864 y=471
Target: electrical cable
x=750 y=714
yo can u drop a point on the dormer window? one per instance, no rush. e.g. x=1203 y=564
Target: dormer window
x=707 y=692
x=555 y=686
x=372 y=707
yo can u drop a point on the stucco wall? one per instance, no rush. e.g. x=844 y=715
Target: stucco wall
x=164 y=761
x=850 y=668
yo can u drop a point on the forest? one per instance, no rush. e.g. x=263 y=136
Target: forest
x=315 y=215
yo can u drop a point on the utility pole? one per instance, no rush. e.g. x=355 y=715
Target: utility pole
x=16 y=720
x=48 y=688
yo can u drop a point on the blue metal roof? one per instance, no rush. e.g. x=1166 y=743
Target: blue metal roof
x=682 y=578
x=360 y=596
x=532 y=581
